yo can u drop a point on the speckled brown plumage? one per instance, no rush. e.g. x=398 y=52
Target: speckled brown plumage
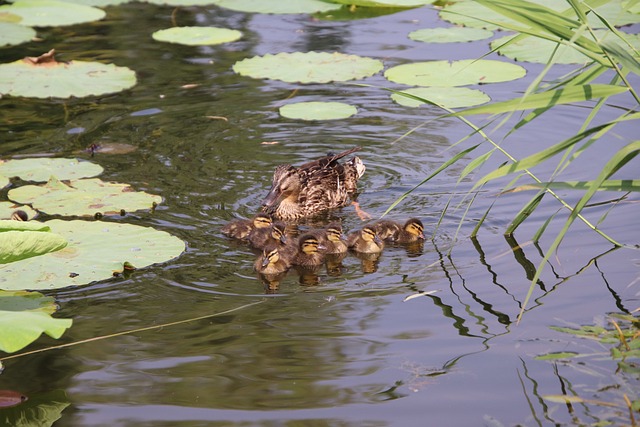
x=313 y=187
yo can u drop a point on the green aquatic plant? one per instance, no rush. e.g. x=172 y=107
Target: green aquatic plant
x=609 y=56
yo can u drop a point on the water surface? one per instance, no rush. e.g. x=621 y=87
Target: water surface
x=337 y=349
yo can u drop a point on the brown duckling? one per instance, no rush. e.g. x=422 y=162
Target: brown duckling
x=313 y=187
x=332 y=238
x=240 y=228
x=365 y=241
x=268 y=238
x=391 y=231
x=271 y=263
x=310 y=252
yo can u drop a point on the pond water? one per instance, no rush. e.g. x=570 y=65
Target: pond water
x=343 y=348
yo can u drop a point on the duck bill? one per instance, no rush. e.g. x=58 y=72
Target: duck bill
x=265 y=261
x=271 y=198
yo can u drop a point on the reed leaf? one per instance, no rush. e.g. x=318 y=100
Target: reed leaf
x=550 y=98
x=625 y=185
x=525 y=212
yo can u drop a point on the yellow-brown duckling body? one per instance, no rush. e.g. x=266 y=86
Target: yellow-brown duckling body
x=310 y=252
x=313 y=187
x=391 y=231
x=268 y=238
x=365 y=241
x=241 y=228
x=332 y=238
x=271 y=263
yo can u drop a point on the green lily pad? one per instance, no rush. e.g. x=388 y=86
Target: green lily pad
x=83 y=197
x=32 y=77
x=99 y=3
x=197 y=36
x=24 y=316
x=386 y=3
x=318 y=110
x=41 y=169
x=534 y=49
x=277 y=6
x=456 y=73
x=21 y=240
x=449 y=34
x=310 y=67
x=52 y=13
x=472 y=14
x=448 y=97
x=8 y=208
x=182 y=3
x=96 y=251
x=13 y=34
x=4 y=181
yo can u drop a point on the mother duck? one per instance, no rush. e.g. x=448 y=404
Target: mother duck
x=313 y=187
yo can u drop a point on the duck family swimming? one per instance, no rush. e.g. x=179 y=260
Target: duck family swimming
x=306 y=190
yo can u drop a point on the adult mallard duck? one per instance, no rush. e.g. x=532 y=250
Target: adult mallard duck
x=241 y=228
x=391 y=231
x=313 y=187
x=365 y=241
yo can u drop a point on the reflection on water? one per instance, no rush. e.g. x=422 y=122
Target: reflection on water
x=337 y=345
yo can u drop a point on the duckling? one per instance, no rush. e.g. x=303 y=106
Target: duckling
x=310 y=252
x=240 y=228
x=391 y=231
x=19 y=215
x=271 y=263
x=313 y=187
x=268 y=238
x=365 y=240
x=332 y=238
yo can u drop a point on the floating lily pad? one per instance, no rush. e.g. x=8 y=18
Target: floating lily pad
x=386 y=3
x=278 y=6
x=99 y=3
x=182 y=3
x=4 y=181
x=197 y=36
x=20 y=240
x=83 y=197
x=310 y=67
x=41 y=169
x=13 y=34
x=472 y=14
x=456 y=73
x=24 y=316
x=448 y=97
x=318 y=110
x=8 y=208
x=449 y=34
x=51 y=13
x=96 y=251
x=32 y=77
x=534 y=49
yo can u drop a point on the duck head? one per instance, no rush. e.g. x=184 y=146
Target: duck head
x=286 y=184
